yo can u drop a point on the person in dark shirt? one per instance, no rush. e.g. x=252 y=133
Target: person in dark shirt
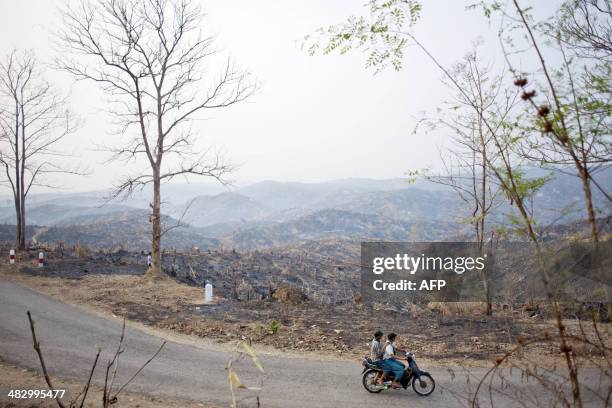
x=376 y=355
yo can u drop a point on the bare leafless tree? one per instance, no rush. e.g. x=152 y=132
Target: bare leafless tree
x=33 y=119
x=150 y=58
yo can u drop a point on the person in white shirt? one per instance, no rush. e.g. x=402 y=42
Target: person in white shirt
x=391 y=362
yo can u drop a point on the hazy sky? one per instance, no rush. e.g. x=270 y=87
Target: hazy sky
x=314 y=118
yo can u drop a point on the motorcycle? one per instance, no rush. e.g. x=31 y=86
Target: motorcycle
x=422 y=382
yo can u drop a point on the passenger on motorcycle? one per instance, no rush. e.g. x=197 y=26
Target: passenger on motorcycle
x=390 y=362
x=376 y=350
x=376 y=353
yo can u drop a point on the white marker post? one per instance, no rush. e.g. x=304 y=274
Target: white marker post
x=12 y=256
x=41 y=259
x=208 y=293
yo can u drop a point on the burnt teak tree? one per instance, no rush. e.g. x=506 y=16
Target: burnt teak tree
x=152 y=60
x=33 y=120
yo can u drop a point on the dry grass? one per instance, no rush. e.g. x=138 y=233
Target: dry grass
x=81 y=251
x=458 y=308
x=96 y=290
x=289 y=295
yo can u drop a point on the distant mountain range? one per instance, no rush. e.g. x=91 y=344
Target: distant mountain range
x=274 y=213
x=342 y=225
x=50 y=214
x=226 y=207
x=129 y=230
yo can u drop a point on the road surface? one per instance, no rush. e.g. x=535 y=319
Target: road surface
x=70 y=336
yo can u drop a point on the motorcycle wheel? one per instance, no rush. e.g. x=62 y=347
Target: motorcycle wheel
x=424 y=385
x=369 y=382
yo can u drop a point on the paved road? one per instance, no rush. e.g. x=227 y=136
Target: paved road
x=70 y=336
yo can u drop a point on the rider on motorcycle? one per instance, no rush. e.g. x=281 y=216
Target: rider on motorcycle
x=390 y=362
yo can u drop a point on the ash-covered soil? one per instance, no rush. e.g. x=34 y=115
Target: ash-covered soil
x=77 y=268
x=251 y=275
x=272 y=306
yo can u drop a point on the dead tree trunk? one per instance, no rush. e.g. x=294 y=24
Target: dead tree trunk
x=155 y=271
x=22 y=169
x=18 y=180
x=588 y=200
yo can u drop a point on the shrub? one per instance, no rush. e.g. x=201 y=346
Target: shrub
x=274 y=326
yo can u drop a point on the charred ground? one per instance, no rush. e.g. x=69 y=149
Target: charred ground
x=287 y=299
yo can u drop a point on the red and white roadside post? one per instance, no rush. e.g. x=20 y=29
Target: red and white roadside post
x=41 y=259
x=12 y=256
